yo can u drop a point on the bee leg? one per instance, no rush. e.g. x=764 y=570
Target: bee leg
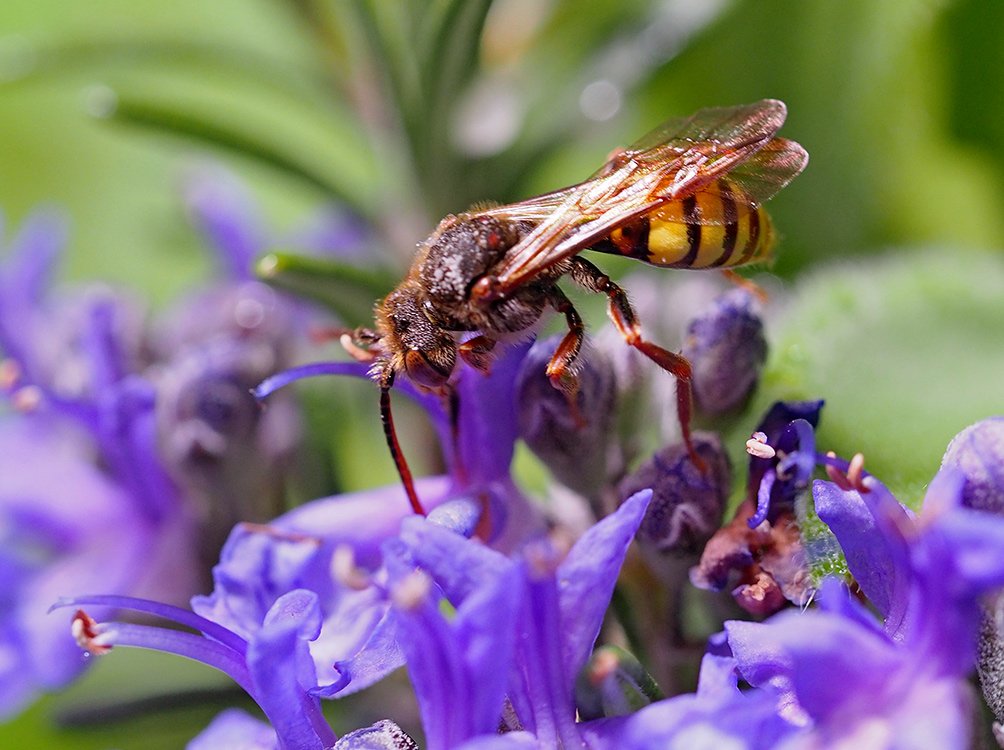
x=355 y=342
x=477 y=352
x=588 y=276
x=743 y=283
x=560 y=370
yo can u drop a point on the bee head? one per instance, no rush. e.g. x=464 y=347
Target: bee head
x=412 y=343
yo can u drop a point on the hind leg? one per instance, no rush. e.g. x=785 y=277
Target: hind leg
x=588 y=276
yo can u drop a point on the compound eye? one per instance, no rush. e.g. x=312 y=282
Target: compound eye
x=423 y=372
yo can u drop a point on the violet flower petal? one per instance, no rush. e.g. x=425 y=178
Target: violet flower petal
x=487 y=422
x=24 y=277
x=869 y=558
x=454 y=666
x=235 y=730
x=793 y=650
x=282 y=671
x=509 y=741
x=586 y=578
x=223 y=209
x=459 y=566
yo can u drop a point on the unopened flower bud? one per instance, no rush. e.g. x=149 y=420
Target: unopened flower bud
x=613 y=683
x=978 y=452
x=727 y=350
x=570 y=437
x=216 y=441
x=687 y=505
x=384 y=735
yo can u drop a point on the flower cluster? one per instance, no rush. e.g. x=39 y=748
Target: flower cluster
x=130 y=444
x=519 y=625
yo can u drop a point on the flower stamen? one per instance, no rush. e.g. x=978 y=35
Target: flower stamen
x=10 y=374
x=851 y=479
x=87 y=634
x=27 y=399
x=757 y=446
x=346 y=572
x=412 y=590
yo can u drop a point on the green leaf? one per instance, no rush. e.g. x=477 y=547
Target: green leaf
x=907 y=351
x=347 y=290
x=343 y=174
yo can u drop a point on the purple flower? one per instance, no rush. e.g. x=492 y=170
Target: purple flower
x=65 y=525
x=573 y=443
x=299 y=551
x=900 y=683
x=978 y=454
x=557 y=619
x=151 y=433
x=273 y=665
x=718 y=715
x=477 y=430
x=775 y=480
x=687 y=504
x=85 y=502
x=759 y=553
x=455 y=665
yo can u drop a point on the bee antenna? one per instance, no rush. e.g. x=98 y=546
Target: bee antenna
x=395 y=448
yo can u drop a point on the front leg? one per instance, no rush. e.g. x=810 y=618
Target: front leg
x=477 y=352
x=623 y=315
x=358 y=342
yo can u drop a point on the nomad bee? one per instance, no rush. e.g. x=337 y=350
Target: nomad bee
x=688 y=195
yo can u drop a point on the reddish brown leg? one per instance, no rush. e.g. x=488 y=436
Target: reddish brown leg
x=750 y=286
x=477 y=352
x=622 y=314
x=560 y=369
x=355 y=342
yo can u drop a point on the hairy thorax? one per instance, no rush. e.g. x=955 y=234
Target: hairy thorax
x=461 y=251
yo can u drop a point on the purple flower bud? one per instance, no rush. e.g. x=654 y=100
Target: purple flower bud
x=384 y=735
x=978 y=452
x=727 y=349
x=687 y=506
x=215 y=439
x=571 y=442
x=249 y=311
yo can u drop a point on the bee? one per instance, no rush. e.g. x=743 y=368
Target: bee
x=687 y=195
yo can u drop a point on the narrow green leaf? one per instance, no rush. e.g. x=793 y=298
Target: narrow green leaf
x=349 y=291
x=177 y=118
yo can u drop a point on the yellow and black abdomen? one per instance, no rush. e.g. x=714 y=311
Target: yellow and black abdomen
x=710 y=229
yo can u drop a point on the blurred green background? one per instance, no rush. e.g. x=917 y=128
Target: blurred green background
x=402 y=111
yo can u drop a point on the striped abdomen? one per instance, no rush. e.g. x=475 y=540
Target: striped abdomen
x=679 y=235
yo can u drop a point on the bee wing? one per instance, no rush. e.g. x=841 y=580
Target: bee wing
x=752 y=182
x=682 y=157
x=534 y=209
x=727 y=128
